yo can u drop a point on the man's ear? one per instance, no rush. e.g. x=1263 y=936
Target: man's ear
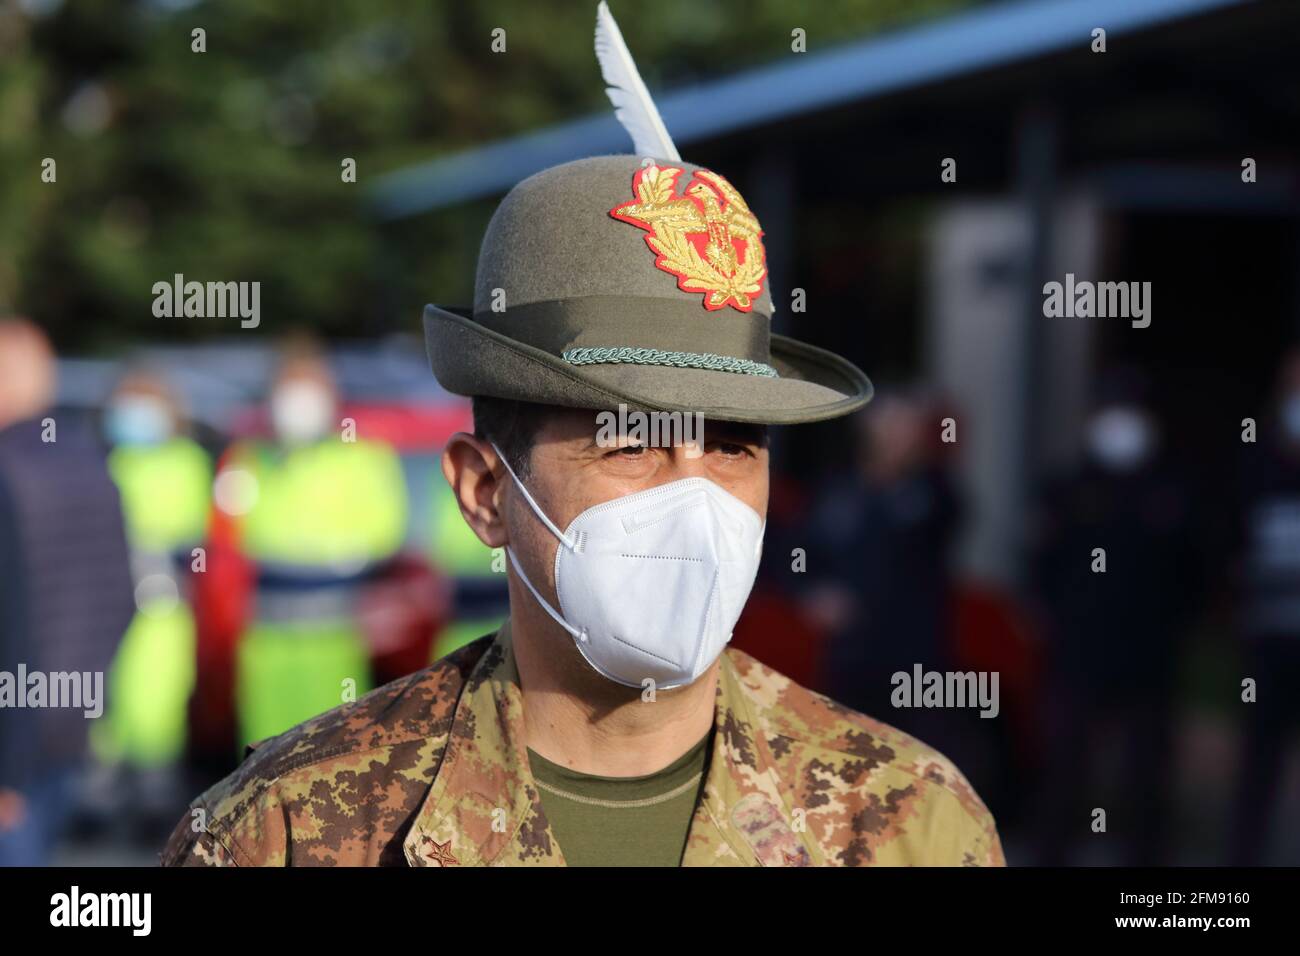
x=472 y=468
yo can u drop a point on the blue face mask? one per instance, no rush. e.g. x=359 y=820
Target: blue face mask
x=137 y=420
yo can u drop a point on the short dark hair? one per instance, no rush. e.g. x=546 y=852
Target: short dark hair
x=512 y=426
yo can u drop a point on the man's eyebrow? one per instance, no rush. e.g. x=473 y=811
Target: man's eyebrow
x=593 y=442
x=738 y=431
x=620 y=440
x=742 y=432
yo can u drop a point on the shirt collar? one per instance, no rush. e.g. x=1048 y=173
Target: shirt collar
x=484 y=807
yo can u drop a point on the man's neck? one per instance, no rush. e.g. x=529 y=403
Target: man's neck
x=576 y=718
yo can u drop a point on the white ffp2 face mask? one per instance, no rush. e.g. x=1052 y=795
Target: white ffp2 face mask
x=651 y=584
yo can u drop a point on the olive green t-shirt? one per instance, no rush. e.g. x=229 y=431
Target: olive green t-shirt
x=622 y=821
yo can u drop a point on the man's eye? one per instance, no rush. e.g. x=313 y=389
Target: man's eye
x=631 y=451
x=731 y=449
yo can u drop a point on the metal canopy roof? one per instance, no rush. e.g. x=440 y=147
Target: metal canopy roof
x=961 y=44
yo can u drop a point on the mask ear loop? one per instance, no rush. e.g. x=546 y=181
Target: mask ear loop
x=564 y=539
x=514 y=561
x=555 y=615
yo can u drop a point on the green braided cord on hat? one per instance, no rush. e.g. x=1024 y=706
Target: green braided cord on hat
x=639 y=356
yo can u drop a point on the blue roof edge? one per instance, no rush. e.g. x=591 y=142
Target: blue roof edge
x=876 y=66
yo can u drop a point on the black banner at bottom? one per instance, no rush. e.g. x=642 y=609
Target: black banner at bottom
x=373 y=907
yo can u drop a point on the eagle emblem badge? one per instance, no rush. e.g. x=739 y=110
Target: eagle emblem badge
x=706 y=237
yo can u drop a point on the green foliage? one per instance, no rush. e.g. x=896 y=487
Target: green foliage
x=225 y=165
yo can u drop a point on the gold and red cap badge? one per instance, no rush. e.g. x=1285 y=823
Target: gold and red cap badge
x=706 y=236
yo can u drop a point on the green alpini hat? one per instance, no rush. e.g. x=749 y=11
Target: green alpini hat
x=633 y=279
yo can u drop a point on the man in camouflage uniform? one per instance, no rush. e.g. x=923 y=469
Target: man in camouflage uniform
x=603 y=282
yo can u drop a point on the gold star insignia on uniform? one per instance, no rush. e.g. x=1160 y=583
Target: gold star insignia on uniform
x=439 y=853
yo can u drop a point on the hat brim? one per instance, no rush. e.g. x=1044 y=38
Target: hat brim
x=812 y=384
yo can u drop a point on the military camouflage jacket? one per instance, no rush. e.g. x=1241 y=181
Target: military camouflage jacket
x=432 y=770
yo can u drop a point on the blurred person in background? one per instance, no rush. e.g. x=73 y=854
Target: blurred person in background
x=1115 y=637
x=165 y=481
x=302 y=522
x=1268 y=601
x=881 y=536
x=65 y=589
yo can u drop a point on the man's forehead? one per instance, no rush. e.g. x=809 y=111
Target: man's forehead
x=584 y=425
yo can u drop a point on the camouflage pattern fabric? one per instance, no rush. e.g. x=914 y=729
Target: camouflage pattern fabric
x=432 y=770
